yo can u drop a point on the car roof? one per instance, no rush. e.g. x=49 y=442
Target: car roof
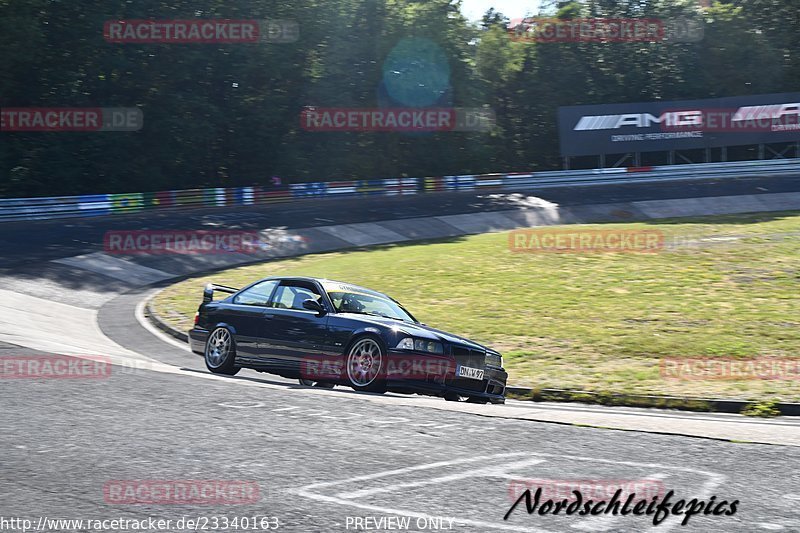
x=325 y=281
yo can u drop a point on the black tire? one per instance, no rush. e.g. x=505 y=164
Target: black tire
x=365 y=363
x=220 y=352
x=318 y=384
x=474 y=399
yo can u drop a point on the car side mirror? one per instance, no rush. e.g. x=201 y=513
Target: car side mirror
x=313 y=305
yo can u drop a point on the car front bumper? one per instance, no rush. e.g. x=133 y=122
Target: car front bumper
x=439 y=378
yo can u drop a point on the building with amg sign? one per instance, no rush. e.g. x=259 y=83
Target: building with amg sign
x=718 y=129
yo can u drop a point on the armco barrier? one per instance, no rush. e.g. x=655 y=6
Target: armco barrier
x=107 y=204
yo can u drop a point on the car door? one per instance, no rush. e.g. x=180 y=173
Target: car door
x=246 y=314
x=292 y=335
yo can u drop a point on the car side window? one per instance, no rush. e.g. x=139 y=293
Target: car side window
x=291 y=296
x=257 y=294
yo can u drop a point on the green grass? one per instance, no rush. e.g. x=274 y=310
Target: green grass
x=595 y=322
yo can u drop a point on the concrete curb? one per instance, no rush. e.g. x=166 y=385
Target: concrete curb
x=682 y=403
x=156 y=320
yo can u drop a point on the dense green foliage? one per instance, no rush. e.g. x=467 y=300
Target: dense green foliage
x=228 y=114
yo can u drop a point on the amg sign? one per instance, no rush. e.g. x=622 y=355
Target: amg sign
x=639 y=120
x=679 y=125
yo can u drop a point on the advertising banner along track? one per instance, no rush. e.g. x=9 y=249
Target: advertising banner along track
x=679 y=125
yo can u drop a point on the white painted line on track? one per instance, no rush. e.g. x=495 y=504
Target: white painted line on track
x=492 y=471
x=254 y=406
x=408 y=469
x=313 y=491
x=142 y=320
x=306 y=492
x=347 y=417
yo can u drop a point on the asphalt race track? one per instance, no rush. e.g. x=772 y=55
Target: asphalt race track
x=325 y=460
x=320 y=457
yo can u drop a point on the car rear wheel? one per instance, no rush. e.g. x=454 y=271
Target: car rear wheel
x=220 y=352
x=365 y=365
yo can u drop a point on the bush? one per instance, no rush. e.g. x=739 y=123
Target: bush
x=766 y=409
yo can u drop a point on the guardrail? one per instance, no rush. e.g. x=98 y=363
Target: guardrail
x=56 y=207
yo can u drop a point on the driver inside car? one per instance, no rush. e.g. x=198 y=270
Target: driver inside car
x=350 y=305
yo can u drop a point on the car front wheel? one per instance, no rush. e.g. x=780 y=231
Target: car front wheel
x=318 y=384
x=365 y=365
x=220 y=352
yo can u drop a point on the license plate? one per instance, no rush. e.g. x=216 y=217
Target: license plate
x=470 y=373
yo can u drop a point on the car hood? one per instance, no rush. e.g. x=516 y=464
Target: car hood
x=420 y=331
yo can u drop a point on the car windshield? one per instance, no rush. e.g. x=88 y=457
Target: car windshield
x=346 y=301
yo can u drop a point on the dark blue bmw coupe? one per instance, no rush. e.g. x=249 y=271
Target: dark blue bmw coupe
x=326 y=333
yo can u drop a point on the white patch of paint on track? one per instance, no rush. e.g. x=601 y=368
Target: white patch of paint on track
x=505 y=462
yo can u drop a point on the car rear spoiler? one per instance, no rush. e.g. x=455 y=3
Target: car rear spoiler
x=208 y=292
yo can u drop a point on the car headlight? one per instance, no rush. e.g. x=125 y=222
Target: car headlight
x=420 y=345
x=405 y=344
x=494 y=359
